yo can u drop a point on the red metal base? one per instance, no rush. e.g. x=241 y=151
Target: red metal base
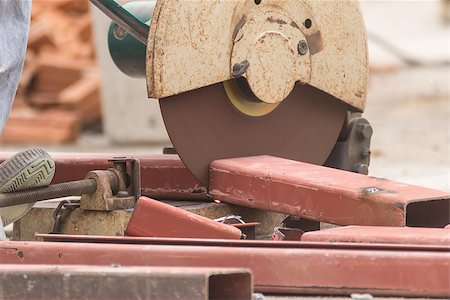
x=324 y=269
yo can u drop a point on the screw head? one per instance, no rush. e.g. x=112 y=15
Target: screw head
x=119 y=33
x=365 y=152
x=240 y=68
x=364 y=131
x=302 y=47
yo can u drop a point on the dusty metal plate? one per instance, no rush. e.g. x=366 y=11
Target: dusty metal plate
x=19 y=281
x=204 y=126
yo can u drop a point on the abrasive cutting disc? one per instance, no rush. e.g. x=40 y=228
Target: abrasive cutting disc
x=204 y=126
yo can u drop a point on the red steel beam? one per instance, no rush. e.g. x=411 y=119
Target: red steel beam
x=162 y=176
x=117 y=282
x=304 y=270
x=382 y=235
x=236 y=243
x=153 y=218
x=325 y=194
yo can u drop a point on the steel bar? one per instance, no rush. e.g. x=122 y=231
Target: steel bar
x=116 y=282
x=237 y=243
x=378 y=234
x=74 y=188
x=325 y=194
x=153 y=218
x=162 y=176
x=124 y=19
x=324 y=271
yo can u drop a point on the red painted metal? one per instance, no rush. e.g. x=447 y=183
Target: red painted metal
x=117 y=282
x=307 y=270
x=325 y=194
x=373 y=234
x=162 y=176
x=153 y=218
x=235 y=243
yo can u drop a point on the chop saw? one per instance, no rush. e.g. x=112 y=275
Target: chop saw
x=251 y=77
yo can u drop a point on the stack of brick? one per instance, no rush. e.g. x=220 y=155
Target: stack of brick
x=59 y=92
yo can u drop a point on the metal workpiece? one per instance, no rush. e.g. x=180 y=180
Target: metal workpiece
x=71 y=238
x=325 y=194
x=153 y=218
x=119 y=282
x=381 y=235
x=286 y=267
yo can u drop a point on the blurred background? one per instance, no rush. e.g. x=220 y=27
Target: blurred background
x=72 y=98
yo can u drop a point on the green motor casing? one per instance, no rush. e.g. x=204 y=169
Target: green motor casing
x=128 y=53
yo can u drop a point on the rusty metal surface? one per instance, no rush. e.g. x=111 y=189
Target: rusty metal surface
x=374 y=234
x=117 y=282
x=204 y=126
x=163 y=176
x=153 y=218
x=236 y=243
x=307 y=270
x=325 y=194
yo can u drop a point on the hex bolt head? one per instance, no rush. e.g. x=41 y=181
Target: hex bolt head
x=240 y=68
x=365 y=152
x=302 y=47
x=119 y=33
x=361 y=169
x=364 y=131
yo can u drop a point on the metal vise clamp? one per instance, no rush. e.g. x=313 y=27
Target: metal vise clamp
x=106 y=190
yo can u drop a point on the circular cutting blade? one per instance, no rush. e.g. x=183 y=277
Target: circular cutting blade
x=204 y=126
